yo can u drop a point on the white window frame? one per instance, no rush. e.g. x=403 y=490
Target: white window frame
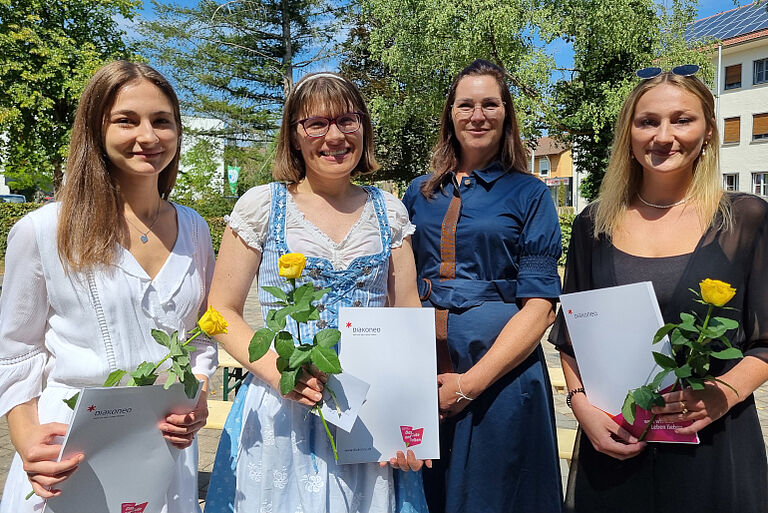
x=734 y=186
x=542 y=171
x=760 y=71
x=760 y=184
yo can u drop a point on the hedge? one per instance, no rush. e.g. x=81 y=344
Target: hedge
x=566 y=220
x=9 y=214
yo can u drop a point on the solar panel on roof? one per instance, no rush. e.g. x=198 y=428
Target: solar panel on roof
x=729 y=24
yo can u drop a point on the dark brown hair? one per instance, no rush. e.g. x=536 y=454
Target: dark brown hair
x=446 y=156
x=329 y=93
x=88 y=230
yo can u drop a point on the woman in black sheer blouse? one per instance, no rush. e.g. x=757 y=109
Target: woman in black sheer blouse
x=663 y=217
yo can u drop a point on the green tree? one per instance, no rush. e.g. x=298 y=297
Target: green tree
x=235 y=61
x=48 y=50
x=611 y=40
x=200 y=172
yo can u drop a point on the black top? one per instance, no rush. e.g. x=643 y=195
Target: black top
x=727 y=471
x=663 y=272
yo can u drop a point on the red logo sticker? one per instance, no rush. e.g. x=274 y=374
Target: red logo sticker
x=570 y=311
x=411 y=436
x=132 y=507
x=349 y=325
x=92 y=407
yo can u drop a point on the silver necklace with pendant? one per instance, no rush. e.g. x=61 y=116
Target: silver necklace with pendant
x=145 y=235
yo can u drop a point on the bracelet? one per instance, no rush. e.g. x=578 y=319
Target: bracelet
x=571 y=393
x=461 y=393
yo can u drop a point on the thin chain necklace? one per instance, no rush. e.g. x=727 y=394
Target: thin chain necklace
x=144 y=235
x=654 y=205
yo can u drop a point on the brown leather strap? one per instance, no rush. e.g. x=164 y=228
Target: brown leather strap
x=448 y=240
x=444 y=363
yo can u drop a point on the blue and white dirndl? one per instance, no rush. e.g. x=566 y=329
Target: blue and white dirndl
x=273 y=455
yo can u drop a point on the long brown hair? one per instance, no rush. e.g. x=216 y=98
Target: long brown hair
x=89 y=219
x=330 y=93
x=447 y=153
x=624 y=175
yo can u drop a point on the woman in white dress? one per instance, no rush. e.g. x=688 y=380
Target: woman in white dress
x=88 y=277
x=272 y=455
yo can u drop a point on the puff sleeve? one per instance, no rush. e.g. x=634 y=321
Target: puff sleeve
x=399 y=223
x=540 y=248
x=250 y=217
x=23 y=315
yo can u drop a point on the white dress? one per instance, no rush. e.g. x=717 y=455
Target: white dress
x=62 y=331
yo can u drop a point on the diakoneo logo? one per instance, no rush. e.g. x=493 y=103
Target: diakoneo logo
x=106 y=413
x=363 y=330
x=581 y=315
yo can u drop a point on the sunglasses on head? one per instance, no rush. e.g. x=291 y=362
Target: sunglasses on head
x=684 y=70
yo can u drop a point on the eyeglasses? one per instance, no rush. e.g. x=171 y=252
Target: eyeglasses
x=318 y=126
x=490 y=108
x=684 y=70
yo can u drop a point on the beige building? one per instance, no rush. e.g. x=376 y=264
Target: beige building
x=552 y=163
x=741 y=93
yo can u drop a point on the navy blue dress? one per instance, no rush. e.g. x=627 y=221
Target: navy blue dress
x=480 y=246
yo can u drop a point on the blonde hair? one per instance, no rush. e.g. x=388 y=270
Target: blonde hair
x=89 y=220
x=329 y=93
x=624 y=175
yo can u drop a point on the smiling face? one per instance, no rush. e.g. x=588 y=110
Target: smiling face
x=140 y=135
x=333 y=155
x=668 y=130
x=479 y=131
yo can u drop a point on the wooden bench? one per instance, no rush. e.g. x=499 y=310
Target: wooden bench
x=234 y=374
x=217 y=414
x=566 y=439
x=557 y=378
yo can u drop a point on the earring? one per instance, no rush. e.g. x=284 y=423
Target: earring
x=703 y=150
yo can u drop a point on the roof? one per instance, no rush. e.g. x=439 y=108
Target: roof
x=548 y=146
x=734 y=26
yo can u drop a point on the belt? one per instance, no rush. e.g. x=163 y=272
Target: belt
x=464 y=293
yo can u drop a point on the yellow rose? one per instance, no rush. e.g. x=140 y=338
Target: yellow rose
x=212 y=323
x=716 y=292
x=291 y=265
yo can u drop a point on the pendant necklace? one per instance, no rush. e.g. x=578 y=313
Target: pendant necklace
x=144 y=235
x=654 y=205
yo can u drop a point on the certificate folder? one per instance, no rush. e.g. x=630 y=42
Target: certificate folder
x=612 y=330
x=128 y=464
x=392 y=349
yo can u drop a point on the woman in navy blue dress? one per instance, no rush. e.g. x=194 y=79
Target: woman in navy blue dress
x=486 y=244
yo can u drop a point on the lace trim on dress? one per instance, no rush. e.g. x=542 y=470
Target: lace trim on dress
x=245 y=232
x=13 y=360
x=293 y=210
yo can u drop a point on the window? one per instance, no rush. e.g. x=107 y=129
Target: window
x=731 y=182
x=760 y=126
x=732 y=130
x=760 y=184
x=544 y=167
x=760 y=73
x=733 y=76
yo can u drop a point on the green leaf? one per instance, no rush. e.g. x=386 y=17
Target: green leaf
x=327 y=337
x=277 y=292
x=683 y=372
x=114 y=378
x=143 y=375
x=284 y=344
x=281 y=363
x=314 y=315
x=171 y=379
x=326 y=360
x=281 y=314
x=678 y=338
x=299 y=357
x=161 y=338
x=664 y=361
x=689 y=323
x=304 y=293
x=662 y=332
x=191 y=384
x=72 y=401
x=288 y=380
x=695 y=383
x=302 y=314
x=318 y=294
x=260 y=344
x=714 y=331
x=728 y=354
x=629 y=408
x=656 y=383
x=644 y=397
x=729 y=324
x=275 y=320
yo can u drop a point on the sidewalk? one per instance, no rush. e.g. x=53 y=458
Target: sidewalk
x=208 y=438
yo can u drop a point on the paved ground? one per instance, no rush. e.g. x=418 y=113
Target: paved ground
x=208 y=438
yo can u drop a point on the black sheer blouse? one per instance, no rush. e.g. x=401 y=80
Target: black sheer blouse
x=738 y=256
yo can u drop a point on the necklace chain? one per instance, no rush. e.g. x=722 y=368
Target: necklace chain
x=654 y=205
x=145 y=235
